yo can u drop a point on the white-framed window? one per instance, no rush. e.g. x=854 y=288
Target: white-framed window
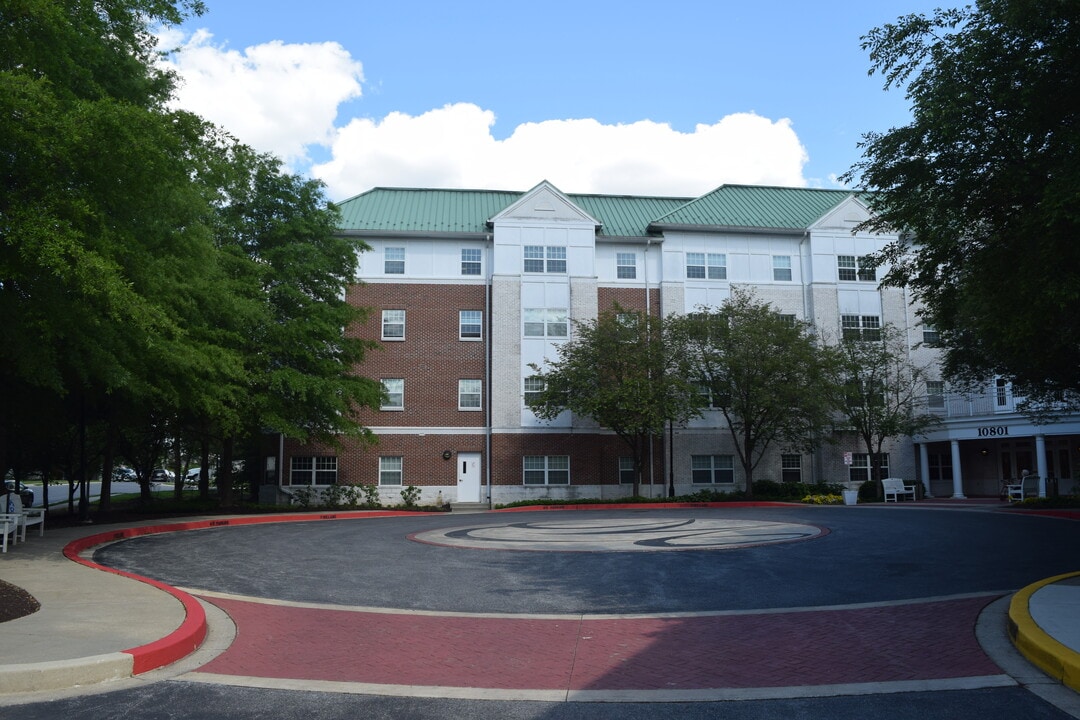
x=532 y=387
x=470 y=261
x=713 y=469
x=470 y=324
x=469 y=394
x=626 y=470
x=395 y=394
x=860 y=327
x=545 y=259
x=930 y=336
x=860 y=469
x=316 y=470
x=781 y=268
x=787 y=318
x=393 y=324
x=791 y=468
x=545 y=322
x=394 y=261
x=935 y=394
x=390 y=470
x=712 y=266
x=546 y=469
x=711 y=398
x=850 y=268
x=626 y=266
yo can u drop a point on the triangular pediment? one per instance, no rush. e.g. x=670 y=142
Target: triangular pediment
x=847 y=215
x=545 y=203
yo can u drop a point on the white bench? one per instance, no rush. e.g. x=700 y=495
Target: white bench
x=9 y=525
x=27 y=516
x=895 y=488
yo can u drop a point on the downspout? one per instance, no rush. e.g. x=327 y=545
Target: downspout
x=807 y=258
x=487 y=368
x=648 y=312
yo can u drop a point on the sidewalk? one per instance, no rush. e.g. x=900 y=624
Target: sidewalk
x=97 y=625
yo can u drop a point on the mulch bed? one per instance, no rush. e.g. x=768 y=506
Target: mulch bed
x=15 y=602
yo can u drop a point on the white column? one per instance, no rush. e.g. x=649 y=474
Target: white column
x=957 y=473
x=924 y=468
x=1040 y=463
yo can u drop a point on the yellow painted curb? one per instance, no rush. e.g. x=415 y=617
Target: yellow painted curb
x=1053 y=658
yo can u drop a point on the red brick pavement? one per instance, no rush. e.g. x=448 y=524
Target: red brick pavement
x=914 y=641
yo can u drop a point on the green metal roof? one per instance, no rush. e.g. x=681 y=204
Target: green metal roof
x=753 y=206
x=423 y=211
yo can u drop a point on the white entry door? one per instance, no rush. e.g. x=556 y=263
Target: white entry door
x=468 y=478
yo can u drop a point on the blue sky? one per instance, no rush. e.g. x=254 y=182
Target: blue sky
x=623 y=97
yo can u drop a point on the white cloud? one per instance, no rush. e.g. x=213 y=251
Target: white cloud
x=276 y=97
x=284 y=98
x=453 y=147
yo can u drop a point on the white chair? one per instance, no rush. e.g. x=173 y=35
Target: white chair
x=9 y=525
x=1027 y=487
x=27 y=516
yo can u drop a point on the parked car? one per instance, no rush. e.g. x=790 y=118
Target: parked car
x=26 y=493
x=161 y=475
x=123 y=474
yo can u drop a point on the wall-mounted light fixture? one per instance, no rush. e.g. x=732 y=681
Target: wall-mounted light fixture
x=447 y=454
x=984 y=452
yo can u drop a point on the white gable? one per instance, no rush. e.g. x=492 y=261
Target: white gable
x=545 y=204
x=845 y=216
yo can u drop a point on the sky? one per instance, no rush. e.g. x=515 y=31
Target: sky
x=667 y=98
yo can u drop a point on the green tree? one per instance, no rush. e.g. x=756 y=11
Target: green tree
x=984 y=182
x=879 y=392
x=766 y=374
x=620 y=371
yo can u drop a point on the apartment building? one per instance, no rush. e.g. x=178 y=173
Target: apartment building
x=469 y=288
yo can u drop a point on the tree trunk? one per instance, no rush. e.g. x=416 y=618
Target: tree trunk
x=224 y=475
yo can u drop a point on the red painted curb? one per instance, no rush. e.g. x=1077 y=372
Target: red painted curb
x=186 y=639
x=648 y=506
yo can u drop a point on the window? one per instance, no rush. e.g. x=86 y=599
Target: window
x=851 y=268
x=470 y=261
x=860 y=467
x=935 y=394
x=626 y=470
x=470 y=325
x=713 y=468
x=390 y=470
x=542 y=258
x=395 y=394
x=791 y=468
x=534 y=386
x=625 y=266
x=394 y=260
x=709 y=395
x=313 y=471
x=546 y=469
x=781 y=267
x=701 y=265
x=930 y=336
x=469 y=394
x=1001 y=392
x=545 y=322
x=940 y=465
x=860 y=327
x=787 y=318
x=393 y=324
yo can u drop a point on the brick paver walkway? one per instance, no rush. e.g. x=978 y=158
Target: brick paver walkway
x=923 y=640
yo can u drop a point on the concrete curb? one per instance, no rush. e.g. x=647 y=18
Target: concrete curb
x=1049 y=655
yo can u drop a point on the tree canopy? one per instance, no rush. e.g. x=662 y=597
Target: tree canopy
x=765 y=373
x=151 y=265
x=985 y=184
x=879 y=392
x=620 y=371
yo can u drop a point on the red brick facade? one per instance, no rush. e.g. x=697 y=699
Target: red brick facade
x=431 y=358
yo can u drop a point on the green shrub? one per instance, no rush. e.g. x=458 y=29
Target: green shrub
x=371 y=496
x=410 y=496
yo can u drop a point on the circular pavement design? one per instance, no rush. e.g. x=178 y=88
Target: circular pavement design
x=620 y=535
